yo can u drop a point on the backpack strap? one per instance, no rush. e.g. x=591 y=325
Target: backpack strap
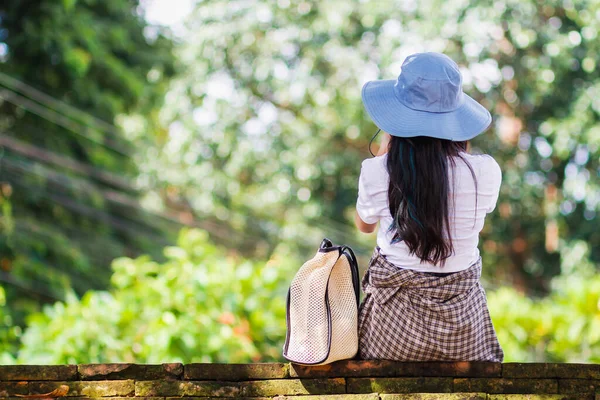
x=354 y=269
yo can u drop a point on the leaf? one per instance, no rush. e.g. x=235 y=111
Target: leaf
x=68 y=5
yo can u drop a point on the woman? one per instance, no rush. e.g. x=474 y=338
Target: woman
x=423 y=298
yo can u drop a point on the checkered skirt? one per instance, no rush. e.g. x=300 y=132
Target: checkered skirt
x=414 y=316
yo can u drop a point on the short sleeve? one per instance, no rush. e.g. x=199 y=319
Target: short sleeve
x=372 y=202
x=495 y=181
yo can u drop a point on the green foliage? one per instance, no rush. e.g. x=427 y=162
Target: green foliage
x=73 y=203
x=267 y=115
x=562 y=327
x=200 y=305
x=8 y=333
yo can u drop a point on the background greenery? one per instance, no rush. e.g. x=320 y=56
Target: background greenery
x=69 y=195
x=247 y=126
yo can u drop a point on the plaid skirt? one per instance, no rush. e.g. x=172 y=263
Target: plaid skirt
x=416 y=316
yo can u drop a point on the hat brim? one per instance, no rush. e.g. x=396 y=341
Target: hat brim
x=390 y=115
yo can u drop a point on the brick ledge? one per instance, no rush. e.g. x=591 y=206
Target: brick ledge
x=345 y=380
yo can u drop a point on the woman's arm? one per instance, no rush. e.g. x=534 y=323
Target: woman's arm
x=362 y=225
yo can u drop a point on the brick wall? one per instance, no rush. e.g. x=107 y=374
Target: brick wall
x=349 y=380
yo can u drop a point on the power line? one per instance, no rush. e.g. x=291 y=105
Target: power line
x=77 y=167
x=75 y=280
x=118 y=223
x=81 y=238
x=8 y=278
x=94 y=214
x=69 y=182
x=57 y=105
x=19 y=170
x=59 y=119
x=209 y=228
x=328 y=226
x=38 y=153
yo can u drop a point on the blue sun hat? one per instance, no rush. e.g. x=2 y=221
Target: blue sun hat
x=426 y=100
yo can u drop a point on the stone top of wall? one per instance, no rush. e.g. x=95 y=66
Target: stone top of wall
x=342 y=380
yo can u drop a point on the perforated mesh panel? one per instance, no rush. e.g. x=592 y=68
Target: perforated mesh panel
x=308 y=332
x=344 y=312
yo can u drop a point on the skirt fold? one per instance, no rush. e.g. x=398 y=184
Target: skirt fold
x=414 y=316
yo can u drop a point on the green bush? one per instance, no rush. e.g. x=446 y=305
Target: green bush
x=8 y=332
x=562 y=327
x=201 y=305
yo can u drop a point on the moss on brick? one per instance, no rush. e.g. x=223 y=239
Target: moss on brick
x=363 y=380
x=38 y=372
x=435 y=396
x=117 y=398
x=579 y=396
x=384 y=368
x=236 y=372
x=370 y=396
x=551 y=370
x=87 y=388
x=525 y=370
x=505 y=386
x=399 y=385
x=293 y=387
x=130 y=371
x=11 y=388
x=187 y=388
x=570 y=386
x=218 y=398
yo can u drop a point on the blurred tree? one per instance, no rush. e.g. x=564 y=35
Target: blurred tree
x=267 y=116
x=547 y=122
x=67 y=70
x=201 y=305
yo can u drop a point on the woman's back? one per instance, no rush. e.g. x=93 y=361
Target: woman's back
x=465 y=224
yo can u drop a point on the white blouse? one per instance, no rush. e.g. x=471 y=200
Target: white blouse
x=372 y=206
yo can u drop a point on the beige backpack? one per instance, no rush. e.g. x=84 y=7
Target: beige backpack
x=322 y=308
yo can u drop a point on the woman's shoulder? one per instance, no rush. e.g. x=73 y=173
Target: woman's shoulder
x=481 y=159
x=485 y=165
x=375 y=168
x=375 y=163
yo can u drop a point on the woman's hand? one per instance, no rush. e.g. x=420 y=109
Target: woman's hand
x=385 y=144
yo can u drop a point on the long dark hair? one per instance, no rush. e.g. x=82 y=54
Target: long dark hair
x=419 y=194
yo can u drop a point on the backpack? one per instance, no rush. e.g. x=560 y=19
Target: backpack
x=322 y=308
